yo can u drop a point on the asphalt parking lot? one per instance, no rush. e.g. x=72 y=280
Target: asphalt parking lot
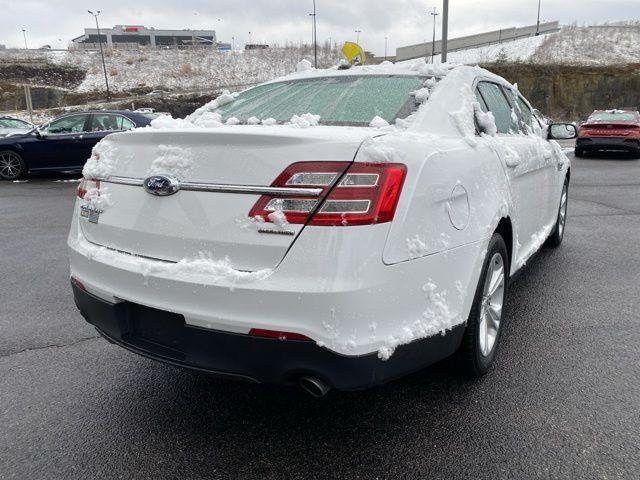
x=563 y=401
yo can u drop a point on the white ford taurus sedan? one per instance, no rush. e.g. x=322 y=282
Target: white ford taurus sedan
x=336 y=228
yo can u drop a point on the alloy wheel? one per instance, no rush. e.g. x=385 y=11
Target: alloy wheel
x=563 y=211
x=10 y=165
x=492 y=302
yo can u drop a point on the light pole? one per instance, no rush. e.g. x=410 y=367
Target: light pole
x=358 y=32
x=233 y=44
x=104 y=66
x=24 y=35
x=538 y=24
x=434 y=14
x=250 y=39
x=315 y=35
x=445 y=29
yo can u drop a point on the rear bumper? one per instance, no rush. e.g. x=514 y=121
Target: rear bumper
x=165 y=337
x=604 y=143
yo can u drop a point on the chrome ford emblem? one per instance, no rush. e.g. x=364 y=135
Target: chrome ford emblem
x=161 y=185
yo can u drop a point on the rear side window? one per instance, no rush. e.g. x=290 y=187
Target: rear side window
x=497 y=103
x=104 y=122
x=481 y=101
x=66 y=125
x=531 y=123
x=525 y=111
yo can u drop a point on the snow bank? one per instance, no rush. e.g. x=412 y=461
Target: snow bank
x=508 y=51
x=199 y=69
x=304 y=66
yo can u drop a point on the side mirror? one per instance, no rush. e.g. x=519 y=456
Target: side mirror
x=562 y=131
x=39 y=134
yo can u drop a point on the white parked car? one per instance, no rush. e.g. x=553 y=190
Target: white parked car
x=335 y=228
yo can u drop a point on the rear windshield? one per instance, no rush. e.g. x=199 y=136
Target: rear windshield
x=150 y=115
x=13 y=123
x=613 y=117
x=348 y=100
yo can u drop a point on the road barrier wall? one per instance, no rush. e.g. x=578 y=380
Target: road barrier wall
x=473 y=41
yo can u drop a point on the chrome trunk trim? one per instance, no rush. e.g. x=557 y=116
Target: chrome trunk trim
x=222 y=188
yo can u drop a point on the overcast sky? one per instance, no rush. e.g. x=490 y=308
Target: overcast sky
x=403 y=21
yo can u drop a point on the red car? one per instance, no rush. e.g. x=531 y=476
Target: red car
x=615 y=130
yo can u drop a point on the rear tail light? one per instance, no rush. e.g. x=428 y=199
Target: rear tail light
x=352 y=194
x=257 y=332
x=78 y=284
x=85 y=186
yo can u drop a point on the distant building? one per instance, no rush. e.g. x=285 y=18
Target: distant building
x=2 y=47
x=255 y=46
x=140 y=35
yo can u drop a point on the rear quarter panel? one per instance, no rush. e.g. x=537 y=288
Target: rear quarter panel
x=455 y=194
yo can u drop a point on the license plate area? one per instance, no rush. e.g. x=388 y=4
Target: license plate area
x=156 y=331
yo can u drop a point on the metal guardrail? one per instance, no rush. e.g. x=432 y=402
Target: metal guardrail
x=474 y=41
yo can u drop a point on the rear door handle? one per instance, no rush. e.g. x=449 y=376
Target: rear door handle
x=78 y=137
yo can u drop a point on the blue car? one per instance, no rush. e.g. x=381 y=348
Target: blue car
x=64 y=144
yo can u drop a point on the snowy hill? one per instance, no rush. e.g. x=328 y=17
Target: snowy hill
x=512 y=51
x=177 y=70
x=595 y=45
x=204 y=70
x=598 y=45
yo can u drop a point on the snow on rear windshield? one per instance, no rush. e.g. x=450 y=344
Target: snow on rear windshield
x=348 y=100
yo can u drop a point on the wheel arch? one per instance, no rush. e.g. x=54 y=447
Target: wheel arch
x=505 y=230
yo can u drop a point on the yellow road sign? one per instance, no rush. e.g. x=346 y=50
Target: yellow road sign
x=353 y=53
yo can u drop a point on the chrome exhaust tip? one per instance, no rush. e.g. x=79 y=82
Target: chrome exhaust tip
x=314 y=386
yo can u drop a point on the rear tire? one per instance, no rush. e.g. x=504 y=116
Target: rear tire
x=12 y=166
x=482 y=335
x=555 y=239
